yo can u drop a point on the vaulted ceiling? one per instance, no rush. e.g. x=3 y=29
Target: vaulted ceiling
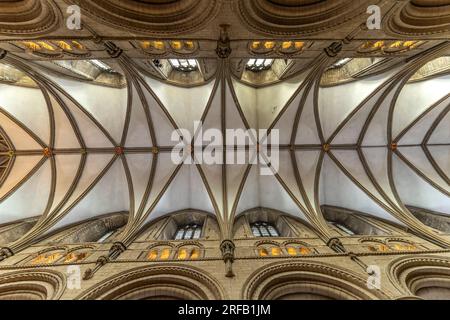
x=375 y=141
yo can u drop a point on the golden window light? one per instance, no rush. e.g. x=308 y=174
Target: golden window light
x=176 y=45
x=195 y=254
x=263 y=252
x=165 y=254
x=304 y=251
x=396 y=44
x=286 y=45
x=269 y=44
x=189 y=45
x=153 y=255
x=255 y=44
x=378 y=44
x=275 y=251
x=31 y=45
x=182 y=254
x=299 y=45
x=75 y=257
x=78 y=45
x=145 y=44
x=46 y=259
x=291 y=251
x=46 y=46
x=64 y=45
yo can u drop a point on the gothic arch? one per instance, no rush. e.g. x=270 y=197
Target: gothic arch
x=162 y=281
x=32 y=285
x=307 y=280
x=426 y=277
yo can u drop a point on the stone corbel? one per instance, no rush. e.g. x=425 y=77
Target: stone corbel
x=336 y=245
x=5 y=253
x=334 y=49
x=113 y=50
x=116 y=249
x=223 y=49
x=227 y=247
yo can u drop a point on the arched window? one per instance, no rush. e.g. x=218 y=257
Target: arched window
x=342 y=228
x=106 y=236
x=256 y=65
x=264 y=229
x=188 y=232
x=185 y=65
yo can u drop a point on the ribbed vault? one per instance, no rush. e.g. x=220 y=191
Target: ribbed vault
x=82 y=150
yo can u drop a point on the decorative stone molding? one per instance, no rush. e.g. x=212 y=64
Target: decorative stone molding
x=155 y=17
x=194 y=282
x=32 y=285
x=286 y=17
x=322 y=278
x=410 y=274
x=28 y=17
x=420 y=17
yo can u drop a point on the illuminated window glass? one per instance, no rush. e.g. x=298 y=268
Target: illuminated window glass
x=340 y=63
x=188 y=232
x=75 y=257
x=153 y=255
x=182 y=254
x=291 y=251
x=101 y=65
x=404 y=247
x=185 y=65
x=263 y=252
x=47 y=258
x=275 y=251
x=304 y=251
x=165 y=254
x=256 y=65
x=342 y=228
x=106 y=236
x=264 y=229
x=195 y=254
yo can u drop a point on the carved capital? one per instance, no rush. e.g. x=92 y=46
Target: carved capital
x=3 y=54
x=223 y=49
x=5 y=253
x=333 y=49
x=113 y=50
x=336 y=245
x=227 y=247
x=117 y=248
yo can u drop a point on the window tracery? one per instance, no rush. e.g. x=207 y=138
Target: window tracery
x=388 y=47
x=257 y=65
x=272 y=249
x=184 y=65
x=188 y=232
x=264 y=229
x=159 y=253
x=52 y=257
